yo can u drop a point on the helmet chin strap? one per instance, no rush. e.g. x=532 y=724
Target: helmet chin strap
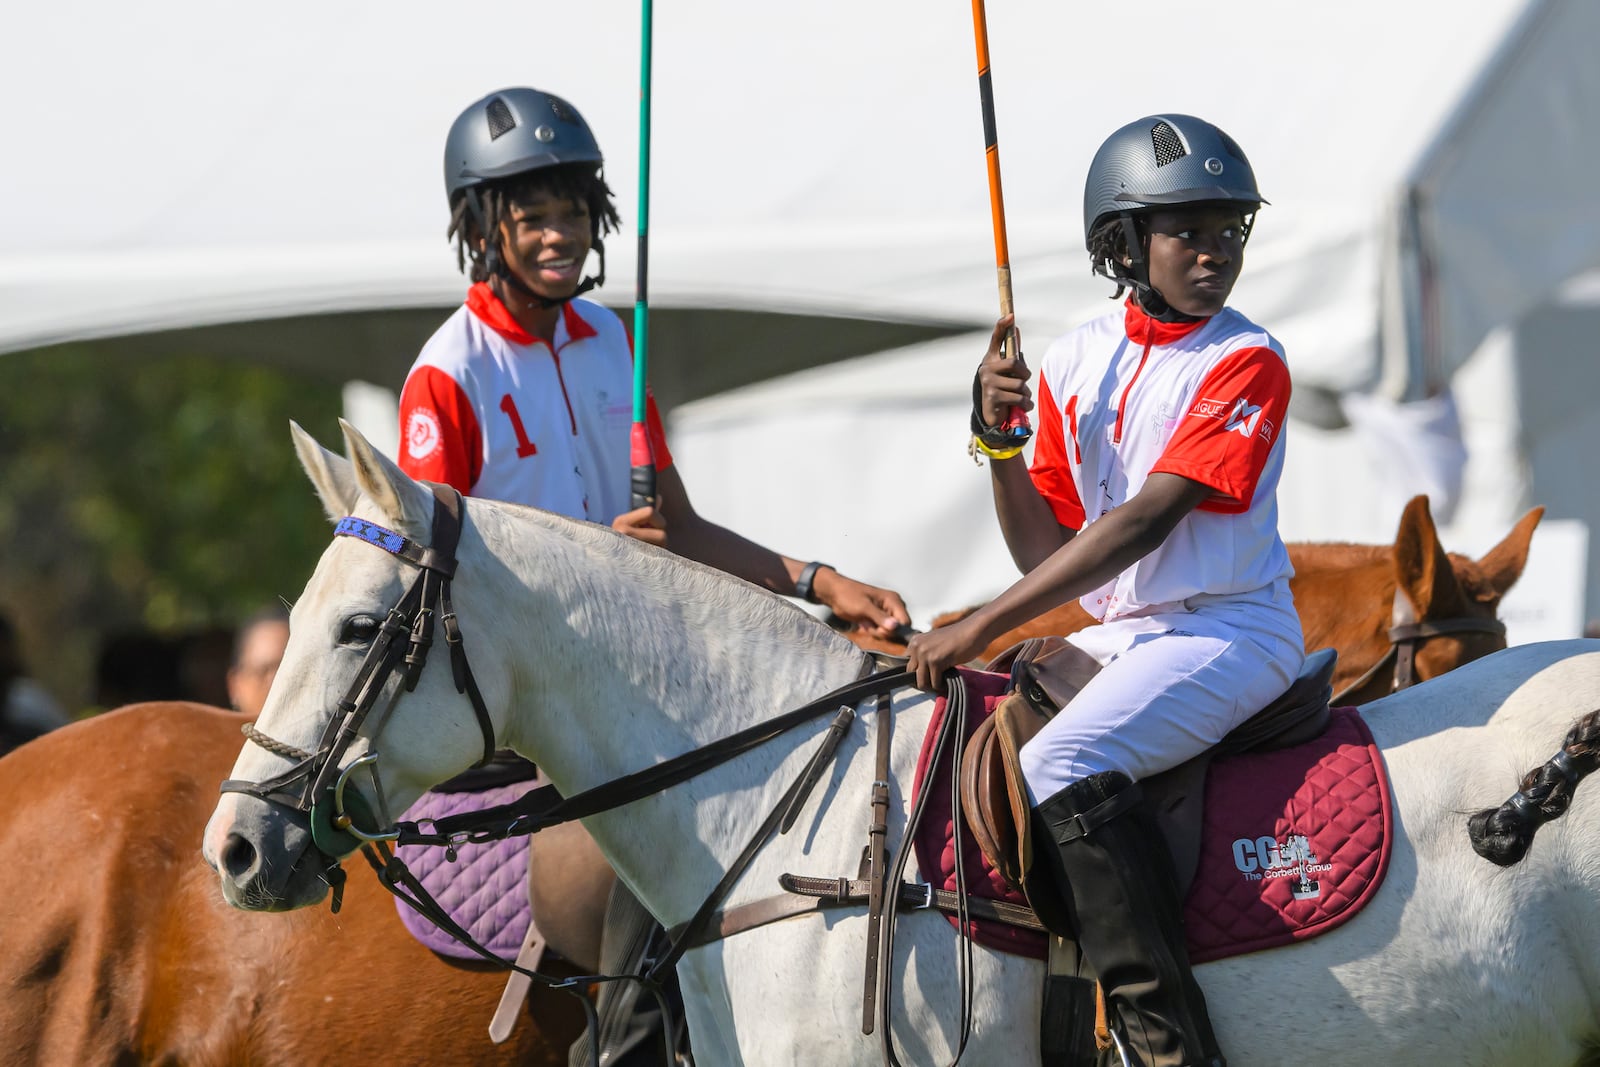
x=496 y=265
x=1147 y=296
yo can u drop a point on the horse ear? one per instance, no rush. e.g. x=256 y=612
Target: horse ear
x=331 y=474
x=1421 y=567
x=1503 y=563
x=401 y=499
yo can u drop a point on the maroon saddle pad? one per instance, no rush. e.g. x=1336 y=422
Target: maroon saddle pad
x=1295 y=842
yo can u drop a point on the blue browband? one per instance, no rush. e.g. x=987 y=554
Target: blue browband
x=371 y=533
x=395 y=544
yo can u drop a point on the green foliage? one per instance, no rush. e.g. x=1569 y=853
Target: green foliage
x=149 y=492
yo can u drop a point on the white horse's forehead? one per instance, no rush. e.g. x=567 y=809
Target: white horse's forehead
x=352 y=578
x=352 y=575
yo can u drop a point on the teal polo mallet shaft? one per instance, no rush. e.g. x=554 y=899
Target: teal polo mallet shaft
x=642 y=477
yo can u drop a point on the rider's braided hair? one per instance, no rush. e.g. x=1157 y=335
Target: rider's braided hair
x=1107 y=248
x=1503 y=835
x=573 y=181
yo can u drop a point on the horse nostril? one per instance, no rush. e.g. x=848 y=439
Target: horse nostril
x=239 y=859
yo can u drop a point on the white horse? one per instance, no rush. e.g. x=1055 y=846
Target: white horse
x=598 y=656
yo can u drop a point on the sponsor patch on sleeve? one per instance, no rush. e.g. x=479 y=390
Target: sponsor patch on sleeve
x=1240 y=416
x=422 y=433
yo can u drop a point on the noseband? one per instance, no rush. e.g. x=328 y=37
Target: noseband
x=1407 y=635
x=316 y=784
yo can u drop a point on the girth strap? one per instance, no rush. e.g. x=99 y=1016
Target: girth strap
x=806 y=895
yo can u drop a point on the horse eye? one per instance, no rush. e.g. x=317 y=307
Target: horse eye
x=359 y=630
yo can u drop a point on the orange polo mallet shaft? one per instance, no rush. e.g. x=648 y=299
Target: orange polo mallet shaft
x=1016 y=424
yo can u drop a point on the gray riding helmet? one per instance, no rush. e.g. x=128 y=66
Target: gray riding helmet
x=513 y=131
x=1165 y=159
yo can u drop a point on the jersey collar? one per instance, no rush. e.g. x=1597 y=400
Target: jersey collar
x=482 y=302
x=1145 y=330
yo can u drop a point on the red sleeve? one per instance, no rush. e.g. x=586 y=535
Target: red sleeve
x=440 y=440
x=1226 y=436
x=658 y=436
x=1050 y=470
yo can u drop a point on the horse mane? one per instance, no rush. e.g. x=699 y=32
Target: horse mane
x=1341 y=556
x=710 y=595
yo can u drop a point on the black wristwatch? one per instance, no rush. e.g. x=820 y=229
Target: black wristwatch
x=808 y=574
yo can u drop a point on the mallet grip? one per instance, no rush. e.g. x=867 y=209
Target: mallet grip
x=642 y=475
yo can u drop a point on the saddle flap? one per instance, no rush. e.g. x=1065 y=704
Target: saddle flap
x=983 y=794
x=994 y=800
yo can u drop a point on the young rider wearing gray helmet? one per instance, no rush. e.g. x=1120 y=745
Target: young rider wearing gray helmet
x=1151 y=497
x=525 y=393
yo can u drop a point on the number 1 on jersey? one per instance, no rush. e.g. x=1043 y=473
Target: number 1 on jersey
x=525 y=447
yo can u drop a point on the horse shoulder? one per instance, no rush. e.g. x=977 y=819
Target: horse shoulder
x=89 y=874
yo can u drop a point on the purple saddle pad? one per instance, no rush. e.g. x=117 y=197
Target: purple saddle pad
x=485 y=890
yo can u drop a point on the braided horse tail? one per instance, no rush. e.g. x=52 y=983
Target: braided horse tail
x=1503 y=835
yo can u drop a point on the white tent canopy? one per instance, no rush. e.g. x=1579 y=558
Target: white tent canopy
x=193 y=163
x=1430 y=167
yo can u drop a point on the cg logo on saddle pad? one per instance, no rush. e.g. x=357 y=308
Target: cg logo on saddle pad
x=1262 y=858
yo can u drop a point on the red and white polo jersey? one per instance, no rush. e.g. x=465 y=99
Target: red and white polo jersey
x=1124 y=397
x=496 y=412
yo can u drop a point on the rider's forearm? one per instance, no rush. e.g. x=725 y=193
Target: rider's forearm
x=717 y=546
x=1103 y=550
x=1026 y=521
x=1095 y=556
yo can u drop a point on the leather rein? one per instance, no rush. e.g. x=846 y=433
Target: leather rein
x=1406 y=636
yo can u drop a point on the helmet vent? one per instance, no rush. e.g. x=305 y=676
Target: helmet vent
x=561 y=111
x=1168 y=145
x=501 y=121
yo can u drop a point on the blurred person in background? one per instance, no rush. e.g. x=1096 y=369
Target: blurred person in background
x=27 y=710
x=257 y=651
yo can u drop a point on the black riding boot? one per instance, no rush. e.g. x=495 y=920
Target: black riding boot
x=1105 y=848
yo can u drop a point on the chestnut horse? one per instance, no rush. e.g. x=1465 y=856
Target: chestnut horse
x=1356 y=599
x=118 y=948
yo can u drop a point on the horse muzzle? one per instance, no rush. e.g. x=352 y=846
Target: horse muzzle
x=265 y=856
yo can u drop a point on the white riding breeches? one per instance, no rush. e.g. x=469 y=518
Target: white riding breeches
x=1171 y=685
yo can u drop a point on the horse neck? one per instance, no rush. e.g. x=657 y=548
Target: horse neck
x=644 y=655
x=1345 y=597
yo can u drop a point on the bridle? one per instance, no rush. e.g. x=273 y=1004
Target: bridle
x=1407 y=635
x=316 y=785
